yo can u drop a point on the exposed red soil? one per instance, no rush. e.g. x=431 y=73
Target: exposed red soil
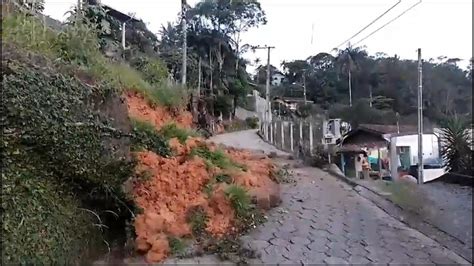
x=176 y=185
x=138 y=107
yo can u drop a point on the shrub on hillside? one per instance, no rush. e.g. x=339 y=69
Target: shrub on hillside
x=64 y=163
x=171 y=130
x=146 y=137
x=252 y=122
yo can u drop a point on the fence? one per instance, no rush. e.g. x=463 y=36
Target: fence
x=302 y=137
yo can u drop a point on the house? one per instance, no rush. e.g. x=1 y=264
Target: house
x=277 y=79
x=374 y=140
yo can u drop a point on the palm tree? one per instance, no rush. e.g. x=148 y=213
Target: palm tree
x=349 y=61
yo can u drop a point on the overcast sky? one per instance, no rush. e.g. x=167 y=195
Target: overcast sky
x=438 y=27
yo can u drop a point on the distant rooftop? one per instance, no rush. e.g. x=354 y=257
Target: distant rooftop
x=122 y=17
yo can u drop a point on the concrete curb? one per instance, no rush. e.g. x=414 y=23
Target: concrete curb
x=341 y=177
x=414 y=221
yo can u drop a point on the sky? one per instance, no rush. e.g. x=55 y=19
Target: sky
x=301 y=28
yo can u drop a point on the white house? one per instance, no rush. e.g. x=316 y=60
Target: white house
x=277 y=79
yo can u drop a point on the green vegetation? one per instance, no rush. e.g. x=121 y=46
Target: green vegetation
x=216 y=158
x=78 y=44
x=61 y=174
x=146 y=137
x=240 y=200
x=197 y=218
x=381 y=86
x=223 y=178
x=219 y=178
x=177 y=246
x=457 y=146
x=252 y=122
x=171 y=130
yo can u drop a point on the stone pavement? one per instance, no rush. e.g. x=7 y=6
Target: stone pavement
x=322 y=220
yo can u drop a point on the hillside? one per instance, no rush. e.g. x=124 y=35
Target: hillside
x=100 y=154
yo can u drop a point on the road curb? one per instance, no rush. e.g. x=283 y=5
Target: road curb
x=413 y=221
x=341 y=177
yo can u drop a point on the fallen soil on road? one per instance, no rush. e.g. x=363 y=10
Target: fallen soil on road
x=183 y=182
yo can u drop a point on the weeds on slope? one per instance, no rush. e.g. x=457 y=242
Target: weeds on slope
x=78 y=45
x=171 y=130
x=145 y=137
x=216 y=158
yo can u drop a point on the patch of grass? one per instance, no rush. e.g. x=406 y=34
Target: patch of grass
x=171 y=130
x=223 y=178
x=177 y=246
x=197 y=218
x=406 y=195
x=146 y=137
x=28 y=33
x=79 y=46
x=239 y=199
x=217 y=158
x=219 y=178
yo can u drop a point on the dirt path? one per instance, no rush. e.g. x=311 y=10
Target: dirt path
x=323 y=220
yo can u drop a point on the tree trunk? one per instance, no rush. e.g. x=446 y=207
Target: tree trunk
x=370 y=95
x=234 y=106
x=350 y=88
x=210 y=67
x=199 y=77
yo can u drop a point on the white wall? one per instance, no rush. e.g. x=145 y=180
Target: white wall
x=430 y=146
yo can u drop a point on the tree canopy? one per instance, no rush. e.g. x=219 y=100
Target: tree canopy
x=383 y=83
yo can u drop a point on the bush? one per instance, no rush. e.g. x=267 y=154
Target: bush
x=177 y=246
x=146 y=137
x=456 y=150
x=362 y=113
x=27 y=32
x=217 y=158
x=60 y=160
x=240 y=200
x=252 y=122
x=197 y=218
x=170 y=131
x=153 y=69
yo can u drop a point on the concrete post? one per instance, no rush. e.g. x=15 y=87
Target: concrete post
x=301 y=131
x=291 y=137
x=310 y=138
x=271 y=132
x=274 y=132
x=393 y=159
x=282 y=129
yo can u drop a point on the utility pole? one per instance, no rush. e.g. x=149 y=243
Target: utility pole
x=420 y=118
x=79 y=10
x=267 y=86
x=304 y=87
x=350 y=78
x=185 y=39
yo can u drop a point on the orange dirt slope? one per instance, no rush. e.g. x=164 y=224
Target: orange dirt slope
x=138 y=107
x=176 y=185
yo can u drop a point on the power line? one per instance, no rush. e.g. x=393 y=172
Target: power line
x=368 y=25
x=386 y=24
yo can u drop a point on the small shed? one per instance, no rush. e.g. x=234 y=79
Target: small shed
x=363 y=141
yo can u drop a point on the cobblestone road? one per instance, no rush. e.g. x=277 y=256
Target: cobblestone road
x=323 y=220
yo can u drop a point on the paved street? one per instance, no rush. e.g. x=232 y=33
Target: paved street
x=322 y=220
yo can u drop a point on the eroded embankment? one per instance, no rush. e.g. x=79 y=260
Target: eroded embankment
x=198 y=176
